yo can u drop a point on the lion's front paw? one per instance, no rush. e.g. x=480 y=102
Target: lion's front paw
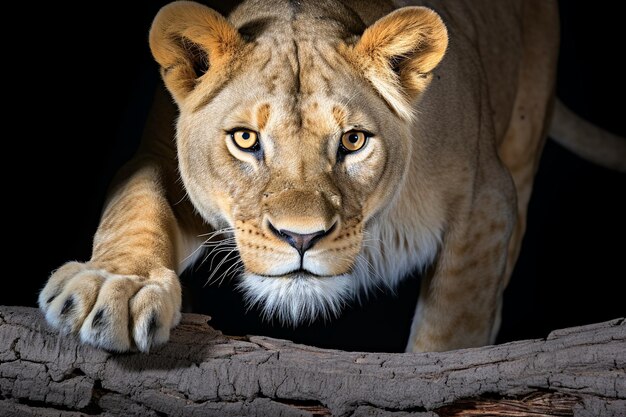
x=113 y=312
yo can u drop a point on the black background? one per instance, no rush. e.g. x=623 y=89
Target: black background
x=78 y=97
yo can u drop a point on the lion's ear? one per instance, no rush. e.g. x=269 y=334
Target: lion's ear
x=188 y=40
x=398 y=52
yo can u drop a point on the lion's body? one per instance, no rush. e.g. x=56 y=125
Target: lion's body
x=444 y=184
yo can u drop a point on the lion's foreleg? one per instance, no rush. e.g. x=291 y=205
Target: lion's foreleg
x=459 y=302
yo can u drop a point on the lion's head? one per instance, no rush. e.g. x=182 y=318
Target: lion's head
x=294 y=133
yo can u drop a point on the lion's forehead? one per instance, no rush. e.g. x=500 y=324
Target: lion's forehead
x=320 y=95
x=300 y=66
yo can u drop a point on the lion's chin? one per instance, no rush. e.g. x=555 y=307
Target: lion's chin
x=297 y=298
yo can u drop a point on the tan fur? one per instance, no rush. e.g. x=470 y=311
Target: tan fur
x=413 y=39
x=442 y=185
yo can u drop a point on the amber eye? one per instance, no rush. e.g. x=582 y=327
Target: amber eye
x=245 y=139
x=353 y=141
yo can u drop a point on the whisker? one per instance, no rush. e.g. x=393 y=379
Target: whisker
x=219 y=243
x=207 y=243
x=217 y=232
x=218 y=250
x=192 y=253
x=224 y=259
x=233 y=269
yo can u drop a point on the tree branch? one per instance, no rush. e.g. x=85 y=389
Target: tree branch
x=577 y=371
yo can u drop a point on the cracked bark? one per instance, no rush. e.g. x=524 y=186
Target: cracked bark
x=578 y=371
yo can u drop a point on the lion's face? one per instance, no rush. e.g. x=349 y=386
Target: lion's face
x=292 y=150
x=298 y=177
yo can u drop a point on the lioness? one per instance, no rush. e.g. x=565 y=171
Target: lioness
x=338 y=146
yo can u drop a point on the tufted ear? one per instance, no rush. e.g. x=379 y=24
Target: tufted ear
x=398 y=52
x=190 y=40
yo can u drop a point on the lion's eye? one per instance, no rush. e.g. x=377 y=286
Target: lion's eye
x=246 y=140
x=353 y=141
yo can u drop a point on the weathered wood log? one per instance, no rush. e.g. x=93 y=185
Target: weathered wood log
x=578 y=371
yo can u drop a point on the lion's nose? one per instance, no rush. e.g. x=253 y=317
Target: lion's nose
x=301 y=242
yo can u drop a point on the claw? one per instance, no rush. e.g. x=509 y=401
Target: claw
x=67 y=306
x=98 y=319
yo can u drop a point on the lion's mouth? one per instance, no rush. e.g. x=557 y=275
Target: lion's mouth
x=299 y=273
